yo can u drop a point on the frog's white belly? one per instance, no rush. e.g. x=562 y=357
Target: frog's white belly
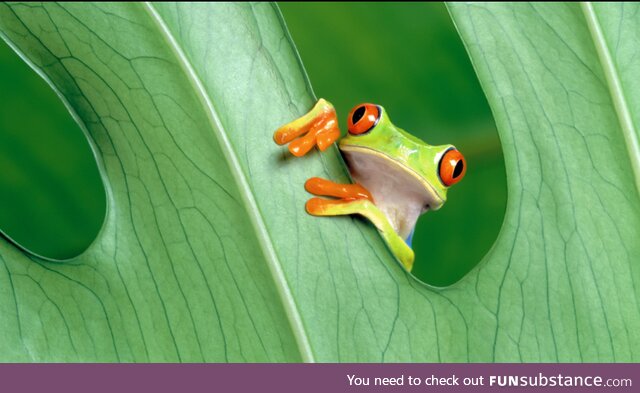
x=396 y=192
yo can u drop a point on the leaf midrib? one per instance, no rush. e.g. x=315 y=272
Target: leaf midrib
x=275 y=267
x=615 y=89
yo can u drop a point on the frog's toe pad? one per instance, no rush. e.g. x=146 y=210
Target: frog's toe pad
x=321 y=207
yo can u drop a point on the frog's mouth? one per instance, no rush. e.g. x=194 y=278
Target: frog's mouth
x=398 y=191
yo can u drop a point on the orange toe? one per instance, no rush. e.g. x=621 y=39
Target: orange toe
x=318 y=186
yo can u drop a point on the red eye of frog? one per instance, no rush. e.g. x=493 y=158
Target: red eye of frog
x=452 y=167
x=363 y=118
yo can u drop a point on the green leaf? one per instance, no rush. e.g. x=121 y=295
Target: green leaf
x=560 y=79
x=184 y=268
x=206 y=253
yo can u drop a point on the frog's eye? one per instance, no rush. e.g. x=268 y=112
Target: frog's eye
x=363 y=118
x=452 y=167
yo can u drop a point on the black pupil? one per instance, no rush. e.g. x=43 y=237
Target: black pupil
x=357 y=115
x=458 y=169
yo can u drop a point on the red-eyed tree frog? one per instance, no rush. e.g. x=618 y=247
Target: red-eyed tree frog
x=397 y=176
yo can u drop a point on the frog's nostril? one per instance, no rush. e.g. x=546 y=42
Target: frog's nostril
x=357 y=115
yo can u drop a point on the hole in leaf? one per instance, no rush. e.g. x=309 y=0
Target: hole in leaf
x=52 y=200
x=410 y=59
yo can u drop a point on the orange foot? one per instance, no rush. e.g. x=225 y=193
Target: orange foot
x=355 y=199
x=318 y=127
x=346 y=192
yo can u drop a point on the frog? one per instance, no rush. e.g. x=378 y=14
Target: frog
x=396 y=177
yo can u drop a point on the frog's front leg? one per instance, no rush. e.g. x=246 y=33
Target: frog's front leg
x=355 y=199
x=318 y=127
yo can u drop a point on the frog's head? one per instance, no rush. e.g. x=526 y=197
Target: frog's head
x=405 y=175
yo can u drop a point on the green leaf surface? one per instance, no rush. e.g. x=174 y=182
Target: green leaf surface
x=205 y=254
x=565 y=267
